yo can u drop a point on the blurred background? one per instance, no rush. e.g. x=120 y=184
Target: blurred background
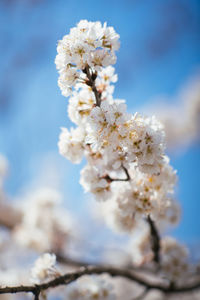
x=158 y=68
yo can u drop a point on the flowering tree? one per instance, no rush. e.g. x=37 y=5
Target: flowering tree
x=130 y=177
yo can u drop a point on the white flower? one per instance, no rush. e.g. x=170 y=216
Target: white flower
x=115 y=143
x=140 y=243
x=174 y=260
x=91 y=287
x=168 y=214
x=101 y=58
x=67 y=79
x=107 y=75
x=80 y=105
x=93 y=181
x=104 y=126
x=142 y=195
x=43 y=226
x=71 y=144
x=110 y=38
x=146 y=142
x=116 y=219
x=44 y=268
x=115 y=113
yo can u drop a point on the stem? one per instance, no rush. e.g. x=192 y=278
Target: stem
x=127 y=173
x=155 y=240
x=107 y=177
x=36 y=295
x=91 y=83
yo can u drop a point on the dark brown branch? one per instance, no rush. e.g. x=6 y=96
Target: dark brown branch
x=68 y=261
x=107 y=177
x=155 y=240
x=126 y=172
x=110 y=179
x=91 y=83
x=115 y=272
x=36 y=294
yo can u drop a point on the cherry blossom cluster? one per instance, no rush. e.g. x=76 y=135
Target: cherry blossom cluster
x=126 y=161
x=174 y=257
x=89 y=43
x=142 y=195
x=127 y=171
x=174 y=260
x=91 y=287
x=44 y=268
x=44 y=231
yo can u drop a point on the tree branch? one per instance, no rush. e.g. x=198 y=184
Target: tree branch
x=36 y=294
x=115 y=272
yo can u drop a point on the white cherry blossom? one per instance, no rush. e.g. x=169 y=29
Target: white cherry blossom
x=91 y=287
x=71 y=144
x=44 y=268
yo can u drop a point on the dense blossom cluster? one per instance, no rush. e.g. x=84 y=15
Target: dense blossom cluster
x=44 y=231
x=127 y=171
x=143 y=194
x=89 y=43
x=139 y=245
x=125 y=152
x=174 y=260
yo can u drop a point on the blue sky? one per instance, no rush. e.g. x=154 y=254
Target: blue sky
x=160 y=50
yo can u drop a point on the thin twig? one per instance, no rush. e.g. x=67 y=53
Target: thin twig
x=107 y=177
x=91 y=83
x=155 y=240
x=127 y=173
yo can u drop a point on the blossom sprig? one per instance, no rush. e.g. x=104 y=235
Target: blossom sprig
x=89 y=45
x=142 y=195
x=44 y=268
x=127 y=171
x=126 y=157
x=44 y=225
